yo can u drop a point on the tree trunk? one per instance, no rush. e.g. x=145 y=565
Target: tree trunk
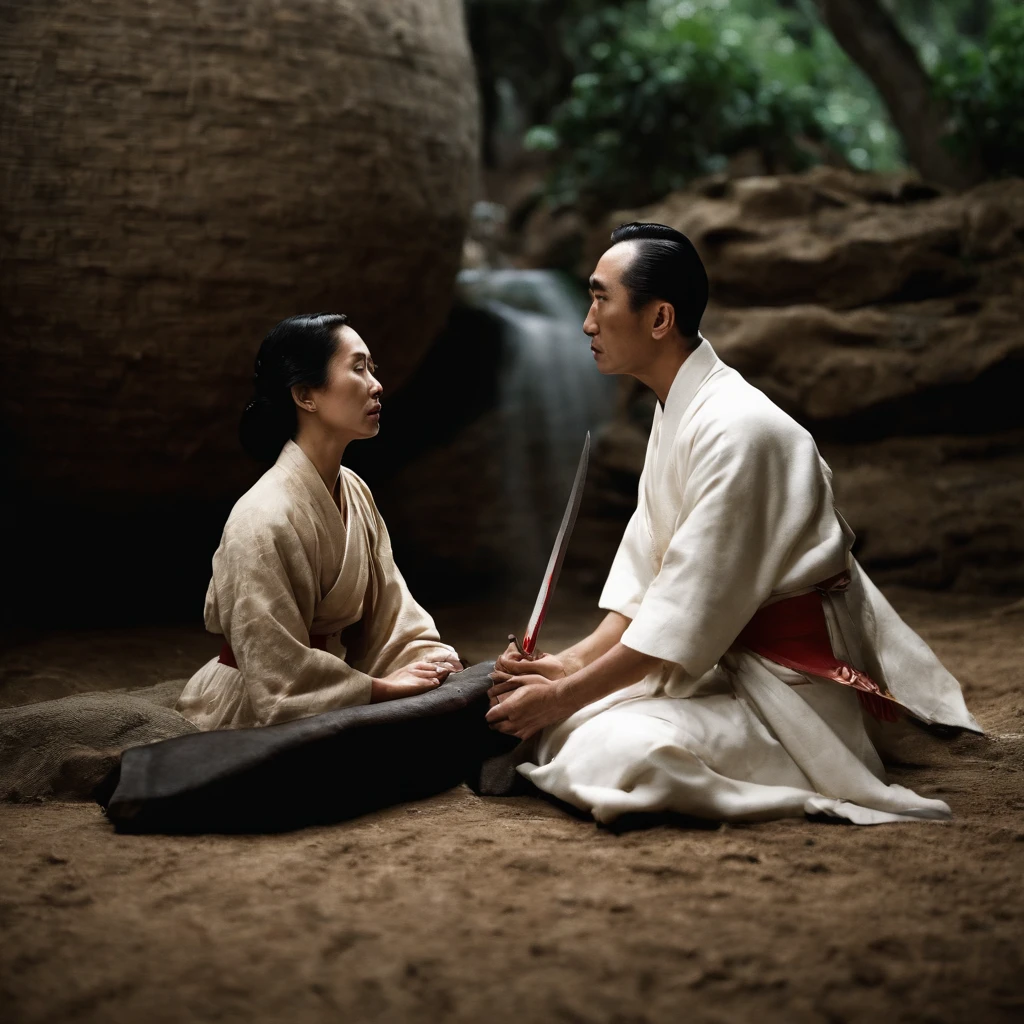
x=865 y=30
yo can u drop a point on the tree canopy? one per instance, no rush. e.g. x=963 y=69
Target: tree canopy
x=634 y=99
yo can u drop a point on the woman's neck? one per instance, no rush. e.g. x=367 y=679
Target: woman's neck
x=325 y=452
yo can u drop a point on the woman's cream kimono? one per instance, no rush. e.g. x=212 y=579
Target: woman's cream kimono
x=735 y=511
x=291 y=565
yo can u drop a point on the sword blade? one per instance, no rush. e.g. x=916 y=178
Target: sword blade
x=547 y=587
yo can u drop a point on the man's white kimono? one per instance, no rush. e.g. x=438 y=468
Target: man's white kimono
x=735 y=511
x=295 y=568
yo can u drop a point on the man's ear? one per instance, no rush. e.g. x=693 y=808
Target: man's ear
x=302 y=396
x=664 y=320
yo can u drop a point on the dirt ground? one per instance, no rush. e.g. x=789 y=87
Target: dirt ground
x=469 y=909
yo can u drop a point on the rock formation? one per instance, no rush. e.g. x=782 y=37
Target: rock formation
x=177 y=178
x=937 y=512
x=886 y=316
x=864 y=305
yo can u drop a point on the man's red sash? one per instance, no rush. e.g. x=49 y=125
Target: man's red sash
x=794 y=633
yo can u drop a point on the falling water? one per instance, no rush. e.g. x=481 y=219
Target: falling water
x=550 y=395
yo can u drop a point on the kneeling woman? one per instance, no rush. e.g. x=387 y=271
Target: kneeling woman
x=314 y=612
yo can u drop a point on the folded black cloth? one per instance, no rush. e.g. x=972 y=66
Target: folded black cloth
x=315 y=770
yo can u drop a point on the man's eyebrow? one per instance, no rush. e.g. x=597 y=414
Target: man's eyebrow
x=596 y=285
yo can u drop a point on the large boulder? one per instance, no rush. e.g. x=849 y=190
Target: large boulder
x=180 y=177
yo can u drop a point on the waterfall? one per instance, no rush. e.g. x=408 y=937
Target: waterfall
x=550 y=394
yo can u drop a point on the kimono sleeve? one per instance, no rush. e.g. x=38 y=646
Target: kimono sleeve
x=632 y=571
x=266 y=590
x=751 y=493
x=399 y=630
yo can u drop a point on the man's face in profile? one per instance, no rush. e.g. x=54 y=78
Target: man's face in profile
x=618 y=339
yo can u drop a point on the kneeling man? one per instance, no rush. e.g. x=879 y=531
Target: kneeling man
x=745 y=655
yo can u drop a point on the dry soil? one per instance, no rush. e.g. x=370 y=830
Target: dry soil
x=469 y=909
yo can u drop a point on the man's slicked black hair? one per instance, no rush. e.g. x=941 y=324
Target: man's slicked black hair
x=666 y=267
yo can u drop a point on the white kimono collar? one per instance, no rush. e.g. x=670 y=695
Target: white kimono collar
x=697 y=367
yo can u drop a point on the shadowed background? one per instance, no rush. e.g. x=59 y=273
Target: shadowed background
x=178 y=177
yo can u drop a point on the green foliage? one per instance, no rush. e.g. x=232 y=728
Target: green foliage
x=932 y=25
x=984 y=87
x=633 y=99
x=665 y=91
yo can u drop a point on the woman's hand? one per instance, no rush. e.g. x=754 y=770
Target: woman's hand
x=449 y=659
x=533 y=703
x=416 y=678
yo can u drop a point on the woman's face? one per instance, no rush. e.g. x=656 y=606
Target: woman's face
x=349 y=403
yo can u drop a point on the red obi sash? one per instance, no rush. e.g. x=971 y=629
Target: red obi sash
x=317 y=641
x=793 y=632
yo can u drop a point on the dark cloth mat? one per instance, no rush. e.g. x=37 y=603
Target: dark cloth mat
x=315 y=770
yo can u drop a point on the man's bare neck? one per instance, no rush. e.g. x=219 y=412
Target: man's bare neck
x=663 y=371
